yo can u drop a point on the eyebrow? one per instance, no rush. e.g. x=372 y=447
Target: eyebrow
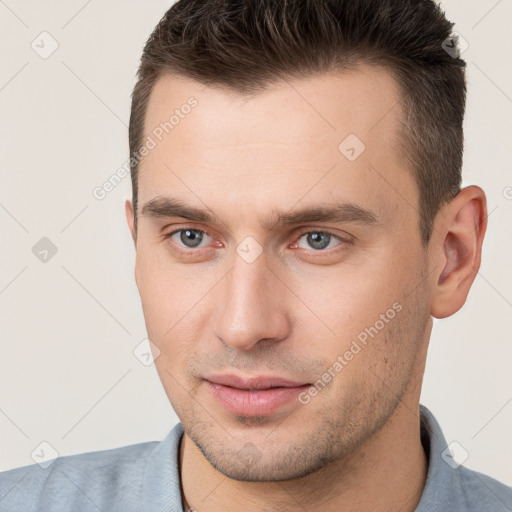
x=344 y=212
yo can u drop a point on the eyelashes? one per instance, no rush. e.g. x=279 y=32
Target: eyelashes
x=189 y=240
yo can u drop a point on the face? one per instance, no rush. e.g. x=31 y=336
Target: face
x=270 y=245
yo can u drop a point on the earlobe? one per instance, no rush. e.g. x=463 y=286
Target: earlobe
x=459 y=234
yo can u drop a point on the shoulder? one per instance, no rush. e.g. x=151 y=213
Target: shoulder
x=77 y=482
x=453 y=486
x=482 y=492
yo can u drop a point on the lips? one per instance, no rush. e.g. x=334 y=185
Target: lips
x=253 y=396
x=254 y=383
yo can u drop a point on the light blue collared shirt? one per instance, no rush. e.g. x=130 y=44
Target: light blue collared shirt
x=145 y=477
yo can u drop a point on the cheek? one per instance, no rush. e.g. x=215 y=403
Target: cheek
x=377 y=360
x=172 y=382
x=176 y=350
x=168 y=291
x=173 y=302
x=343 y=303
x=357 y=322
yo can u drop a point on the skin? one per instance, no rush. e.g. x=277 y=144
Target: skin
x=294 y=309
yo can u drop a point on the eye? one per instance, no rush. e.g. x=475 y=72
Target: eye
x=318 y=240
x=190 y=238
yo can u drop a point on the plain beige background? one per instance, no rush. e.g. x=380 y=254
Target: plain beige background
x=68 y=375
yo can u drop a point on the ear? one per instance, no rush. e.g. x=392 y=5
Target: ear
x=130 y=219
x=456 y=249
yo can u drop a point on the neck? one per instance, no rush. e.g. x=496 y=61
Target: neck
x=387 y=472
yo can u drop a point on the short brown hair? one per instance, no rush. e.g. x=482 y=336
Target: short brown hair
x=245 y=45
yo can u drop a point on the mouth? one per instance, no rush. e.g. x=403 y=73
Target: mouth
x=254 y=396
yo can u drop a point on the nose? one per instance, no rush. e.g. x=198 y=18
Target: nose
x=253 y=305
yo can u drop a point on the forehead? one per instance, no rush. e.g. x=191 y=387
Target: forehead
x=326 y=137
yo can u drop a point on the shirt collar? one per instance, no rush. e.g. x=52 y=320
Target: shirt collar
x=161 y=486
x=443 y=489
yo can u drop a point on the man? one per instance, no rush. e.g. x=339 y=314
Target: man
x=298 y=222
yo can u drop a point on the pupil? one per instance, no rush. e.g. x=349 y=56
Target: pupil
x=318 y=240
x=190 y=238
